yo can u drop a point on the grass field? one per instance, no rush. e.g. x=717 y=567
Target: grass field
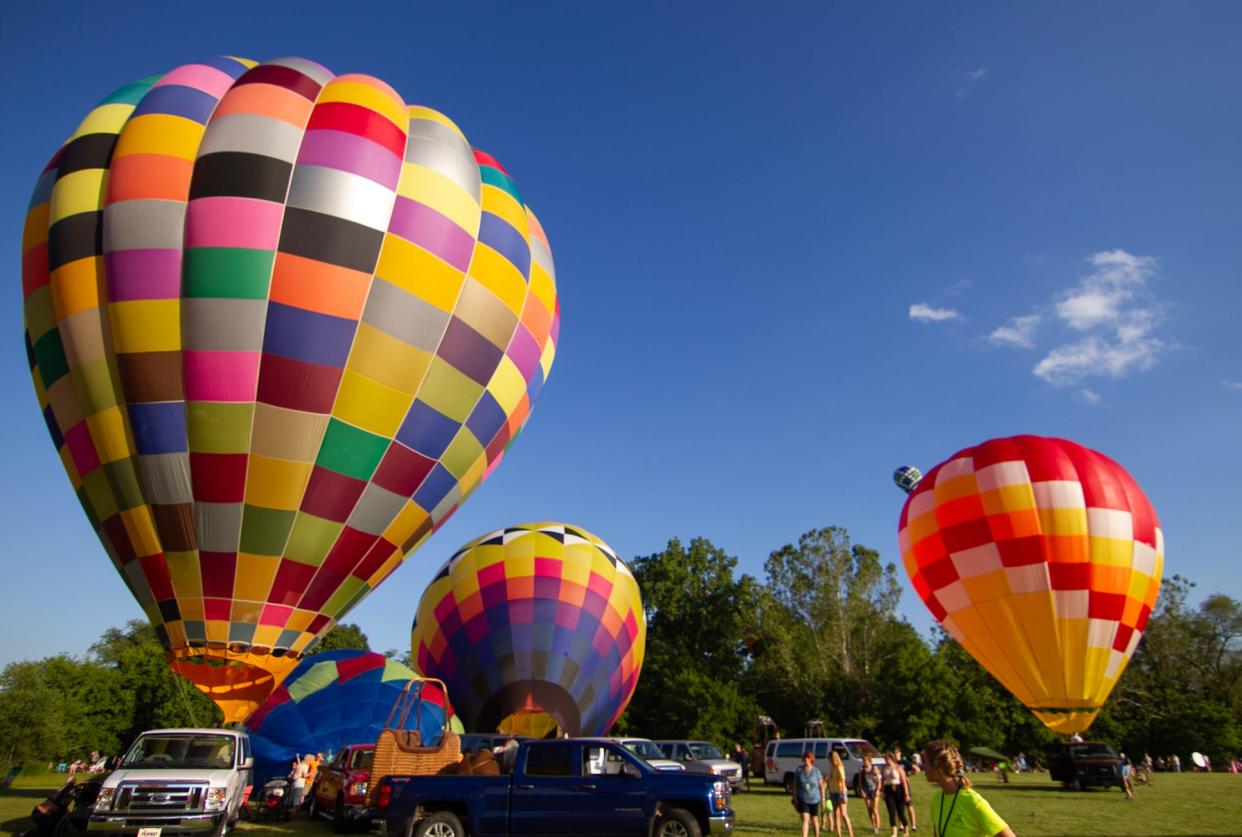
x=1182 y=804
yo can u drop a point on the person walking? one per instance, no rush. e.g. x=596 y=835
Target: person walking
x=957 y=809
x=908 y=766
x=896 y=793
x=869 y=786
x=808 y=792
x=743 y=759
x=834 y=809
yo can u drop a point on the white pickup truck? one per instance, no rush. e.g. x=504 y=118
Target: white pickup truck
x=176 y=781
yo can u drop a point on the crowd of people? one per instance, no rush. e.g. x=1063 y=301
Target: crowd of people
x=822 y=800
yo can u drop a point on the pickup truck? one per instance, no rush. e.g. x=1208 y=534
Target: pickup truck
x=340 y=789
x=569 y=786
x=176 y=781
x=1081 y=764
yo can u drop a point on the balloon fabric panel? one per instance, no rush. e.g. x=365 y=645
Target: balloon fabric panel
x=332 y=700
x=1043 y=559
x=317 y=320
x=538 y=617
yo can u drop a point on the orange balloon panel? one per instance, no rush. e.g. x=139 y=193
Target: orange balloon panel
x=1043 y=559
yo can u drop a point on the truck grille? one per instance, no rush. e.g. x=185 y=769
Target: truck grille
x=144 y=797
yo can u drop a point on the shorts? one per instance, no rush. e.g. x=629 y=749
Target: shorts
x=811 y=808
x=836 y=798
x=868 y=793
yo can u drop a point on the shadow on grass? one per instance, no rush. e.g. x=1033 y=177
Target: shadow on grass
x=29 y=793
x=15 y=826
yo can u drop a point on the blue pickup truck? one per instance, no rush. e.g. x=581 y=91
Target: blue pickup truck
x=568 y=786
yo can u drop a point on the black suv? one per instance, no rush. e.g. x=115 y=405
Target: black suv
x=1081 y=764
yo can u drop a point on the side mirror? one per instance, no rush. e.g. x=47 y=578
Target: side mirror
x=631 y=772
x=247 y=763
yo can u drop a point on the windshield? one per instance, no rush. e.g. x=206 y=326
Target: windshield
x=1091 y=751
x=361 y=760
x=643 y=749
x=703 y=750
x=181 y=750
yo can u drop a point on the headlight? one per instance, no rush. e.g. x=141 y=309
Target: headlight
x=215 y=798
x=359 y=789
x=104 y=800
x=720 y=794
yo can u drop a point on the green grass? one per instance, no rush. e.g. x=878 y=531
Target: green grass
x=1176 y=804
x=1035 y=806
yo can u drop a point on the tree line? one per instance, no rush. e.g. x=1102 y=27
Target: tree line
x=821 y=637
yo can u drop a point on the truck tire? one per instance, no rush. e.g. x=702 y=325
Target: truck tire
x=789 y=783
x=339 y=824
x=222 y=827
x=677 y=822
x=440 y=824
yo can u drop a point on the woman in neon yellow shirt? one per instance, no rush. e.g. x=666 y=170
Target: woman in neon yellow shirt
x=957 y=809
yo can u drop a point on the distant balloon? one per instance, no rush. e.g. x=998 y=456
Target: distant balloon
x=907 y=477
x=536 y=629
x=334 y=699
x=281 y=324
x=1043 y=559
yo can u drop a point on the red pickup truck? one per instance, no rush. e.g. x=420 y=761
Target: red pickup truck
x=340 y=790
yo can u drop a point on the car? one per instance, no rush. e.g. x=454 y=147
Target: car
x=1083 y=764
x=340 y=789
x=558 y=786
x=783 y=756
x=647 y=750
x=177 y=781
x=703 y=757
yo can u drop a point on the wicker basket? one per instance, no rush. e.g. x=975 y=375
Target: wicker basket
x=399 y=752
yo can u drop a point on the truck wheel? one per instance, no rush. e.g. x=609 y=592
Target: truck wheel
x=789 y=783
x=440 y=824
x=1079 y=784
x=677 y=822
x=222 y=827
x=339 y=823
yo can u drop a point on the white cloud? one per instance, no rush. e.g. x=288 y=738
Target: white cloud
x=1115 y=315
x=1018 y=332
x=1089 y=395
x=970 y=78
x=1232 y=384
x=921 y=312
x=1103 y=296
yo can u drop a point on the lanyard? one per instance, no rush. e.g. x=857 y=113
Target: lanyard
x=943 y=825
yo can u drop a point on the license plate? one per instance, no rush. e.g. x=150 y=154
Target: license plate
x=149 y=832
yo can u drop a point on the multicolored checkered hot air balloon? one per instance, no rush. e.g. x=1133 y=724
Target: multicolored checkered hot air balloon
x=537 y=628
x=281 y=324
x=334 y=699
x=1043 y=559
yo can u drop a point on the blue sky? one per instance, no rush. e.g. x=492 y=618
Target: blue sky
x=797 y=245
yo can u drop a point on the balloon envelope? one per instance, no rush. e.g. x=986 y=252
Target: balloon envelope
x=537 y=628
x=907 y=477
x=1043 y=559
x=334 y=699
x=280 y=324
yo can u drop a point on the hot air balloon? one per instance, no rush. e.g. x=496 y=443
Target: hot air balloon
x=1043 y=559
x=536 y=629
x=336 y=698
x=907 y=477
x=281 y=324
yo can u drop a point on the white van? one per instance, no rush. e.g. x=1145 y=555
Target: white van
x=784 y=755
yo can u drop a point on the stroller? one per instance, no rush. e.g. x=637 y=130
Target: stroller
x=274 y=800
x=66 y=811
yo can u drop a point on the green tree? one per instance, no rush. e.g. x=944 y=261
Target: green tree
x=343 y=636
x=31 y=714
x=161 y=697
x=698 y=619
x=827 y=634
